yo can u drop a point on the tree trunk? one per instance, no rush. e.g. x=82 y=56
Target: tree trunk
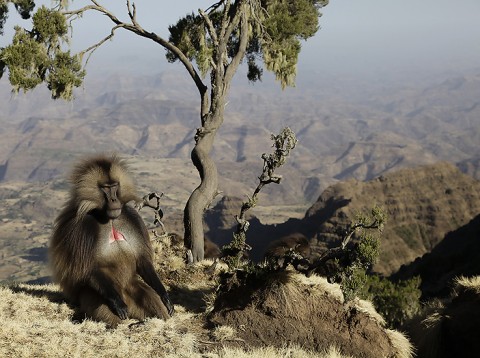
x=212 y=118
x=203 y=195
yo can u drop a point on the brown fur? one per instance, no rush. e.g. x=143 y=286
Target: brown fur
x=211 y=249
x=296 y=241
x=103 y=277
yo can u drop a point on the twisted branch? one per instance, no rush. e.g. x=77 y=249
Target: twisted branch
x=283 y=144
x=210 y=27
x=146 y=202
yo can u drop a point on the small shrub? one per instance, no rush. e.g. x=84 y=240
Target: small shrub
x=397 y=302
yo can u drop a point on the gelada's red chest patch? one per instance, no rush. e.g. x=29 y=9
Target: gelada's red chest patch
x=115 y=235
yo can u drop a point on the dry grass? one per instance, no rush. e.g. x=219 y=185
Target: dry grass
x=37 y=323
x=321 y=284
x=403 y=347
x=367 y=308
x=468 y=283
x=449 y=327
x=224 y=333
x=269 y=352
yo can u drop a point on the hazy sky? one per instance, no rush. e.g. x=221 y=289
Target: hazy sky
x=356 y=37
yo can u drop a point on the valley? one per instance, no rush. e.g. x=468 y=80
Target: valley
x=347 y=135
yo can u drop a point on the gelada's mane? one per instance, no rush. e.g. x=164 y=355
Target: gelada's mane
x=74 y=238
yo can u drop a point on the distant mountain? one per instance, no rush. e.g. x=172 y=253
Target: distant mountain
x=344 y=130
x=422 y=204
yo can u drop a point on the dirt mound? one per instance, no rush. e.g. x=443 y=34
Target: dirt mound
x=291 y=309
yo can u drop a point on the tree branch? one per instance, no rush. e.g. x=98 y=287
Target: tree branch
x=72 y=13
x=237 y=14
x=146 y=202
x=132 y=12
x=377 y=222
x=225 y=21
x=283 y=143
x=242 y=47
x=94 y=47
x=139 y=30
x=215 y=6
x=210 y=27
x=202 y=88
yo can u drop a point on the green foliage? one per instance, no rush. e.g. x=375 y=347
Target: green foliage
x=26 y=59
x=189 y=35
x=283 y=143
x=284 y=24
x=233 y=252
x=3 y=15
x=351 y=267
x=36 y=56
x=376 y=219
x=353 y=260
x=49 y=26
x=367 y=251
x=23 y=7
x=352 y=280
x=275 y=30
x=65 y=73
x=292 y=18
x=396 y=302
x=280 y=57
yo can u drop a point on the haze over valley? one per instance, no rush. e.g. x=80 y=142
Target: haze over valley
x=347 y=129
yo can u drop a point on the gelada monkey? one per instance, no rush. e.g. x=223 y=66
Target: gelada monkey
x=100 y=250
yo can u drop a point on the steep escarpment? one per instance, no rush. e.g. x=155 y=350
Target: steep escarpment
x=458 y=254
x=422 y=204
